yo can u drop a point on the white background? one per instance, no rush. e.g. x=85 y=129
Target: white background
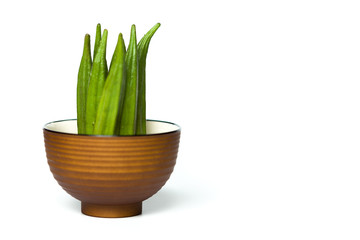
x=266 y=93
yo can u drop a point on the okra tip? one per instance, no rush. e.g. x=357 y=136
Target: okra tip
x=154 y=28
x=87 y=38
x=105 y=32
x=98 y=29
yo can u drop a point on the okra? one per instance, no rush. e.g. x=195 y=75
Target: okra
x=82 y=84
x=111 y=102
x=97 y=39
x=143 y=47
x=129 y=111
x=97 y=80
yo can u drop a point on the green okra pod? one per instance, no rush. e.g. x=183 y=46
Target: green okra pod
x=129 y=111
x=111 y=102
x=97 y=39
x=98 y=76
x=82 y=84
x=143 y=47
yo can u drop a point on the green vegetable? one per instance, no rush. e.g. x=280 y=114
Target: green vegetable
x=111 y=101
x=82 y=84
x=143 y=47
x=129 y=111
x=97 y=80
x=97 y=39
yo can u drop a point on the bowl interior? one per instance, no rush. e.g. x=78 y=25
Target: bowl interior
x=152 y=127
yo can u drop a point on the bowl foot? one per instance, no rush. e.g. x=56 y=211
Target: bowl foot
x=111 y=211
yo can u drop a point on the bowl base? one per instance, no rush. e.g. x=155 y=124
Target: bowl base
x=111 y=211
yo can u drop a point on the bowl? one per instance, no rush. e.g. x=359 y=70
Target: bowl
x=111 y=175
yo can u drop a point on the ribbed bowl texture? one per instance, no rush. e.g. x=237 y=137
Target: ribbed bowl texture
x=111 y=170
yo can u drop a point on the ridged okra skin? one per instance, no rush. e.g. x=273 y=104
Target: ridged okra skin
x=82 y=84
x=143 y=47
x=99 y=73
x=111 y=100
x=97 y=39
x=129 y=111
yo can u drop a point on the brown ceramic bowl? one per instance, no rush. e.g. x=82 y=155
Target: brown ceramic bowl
x=111 y=175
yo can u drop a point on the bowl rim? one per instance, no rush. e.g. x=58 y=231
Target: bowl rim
x=111 y=136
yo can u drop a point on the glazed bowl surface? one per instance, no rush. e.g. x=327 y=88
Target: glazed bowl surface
x=111 y=175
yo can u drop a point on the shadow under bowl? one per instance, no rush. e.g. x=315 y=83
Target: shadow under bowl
x=111 y=175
